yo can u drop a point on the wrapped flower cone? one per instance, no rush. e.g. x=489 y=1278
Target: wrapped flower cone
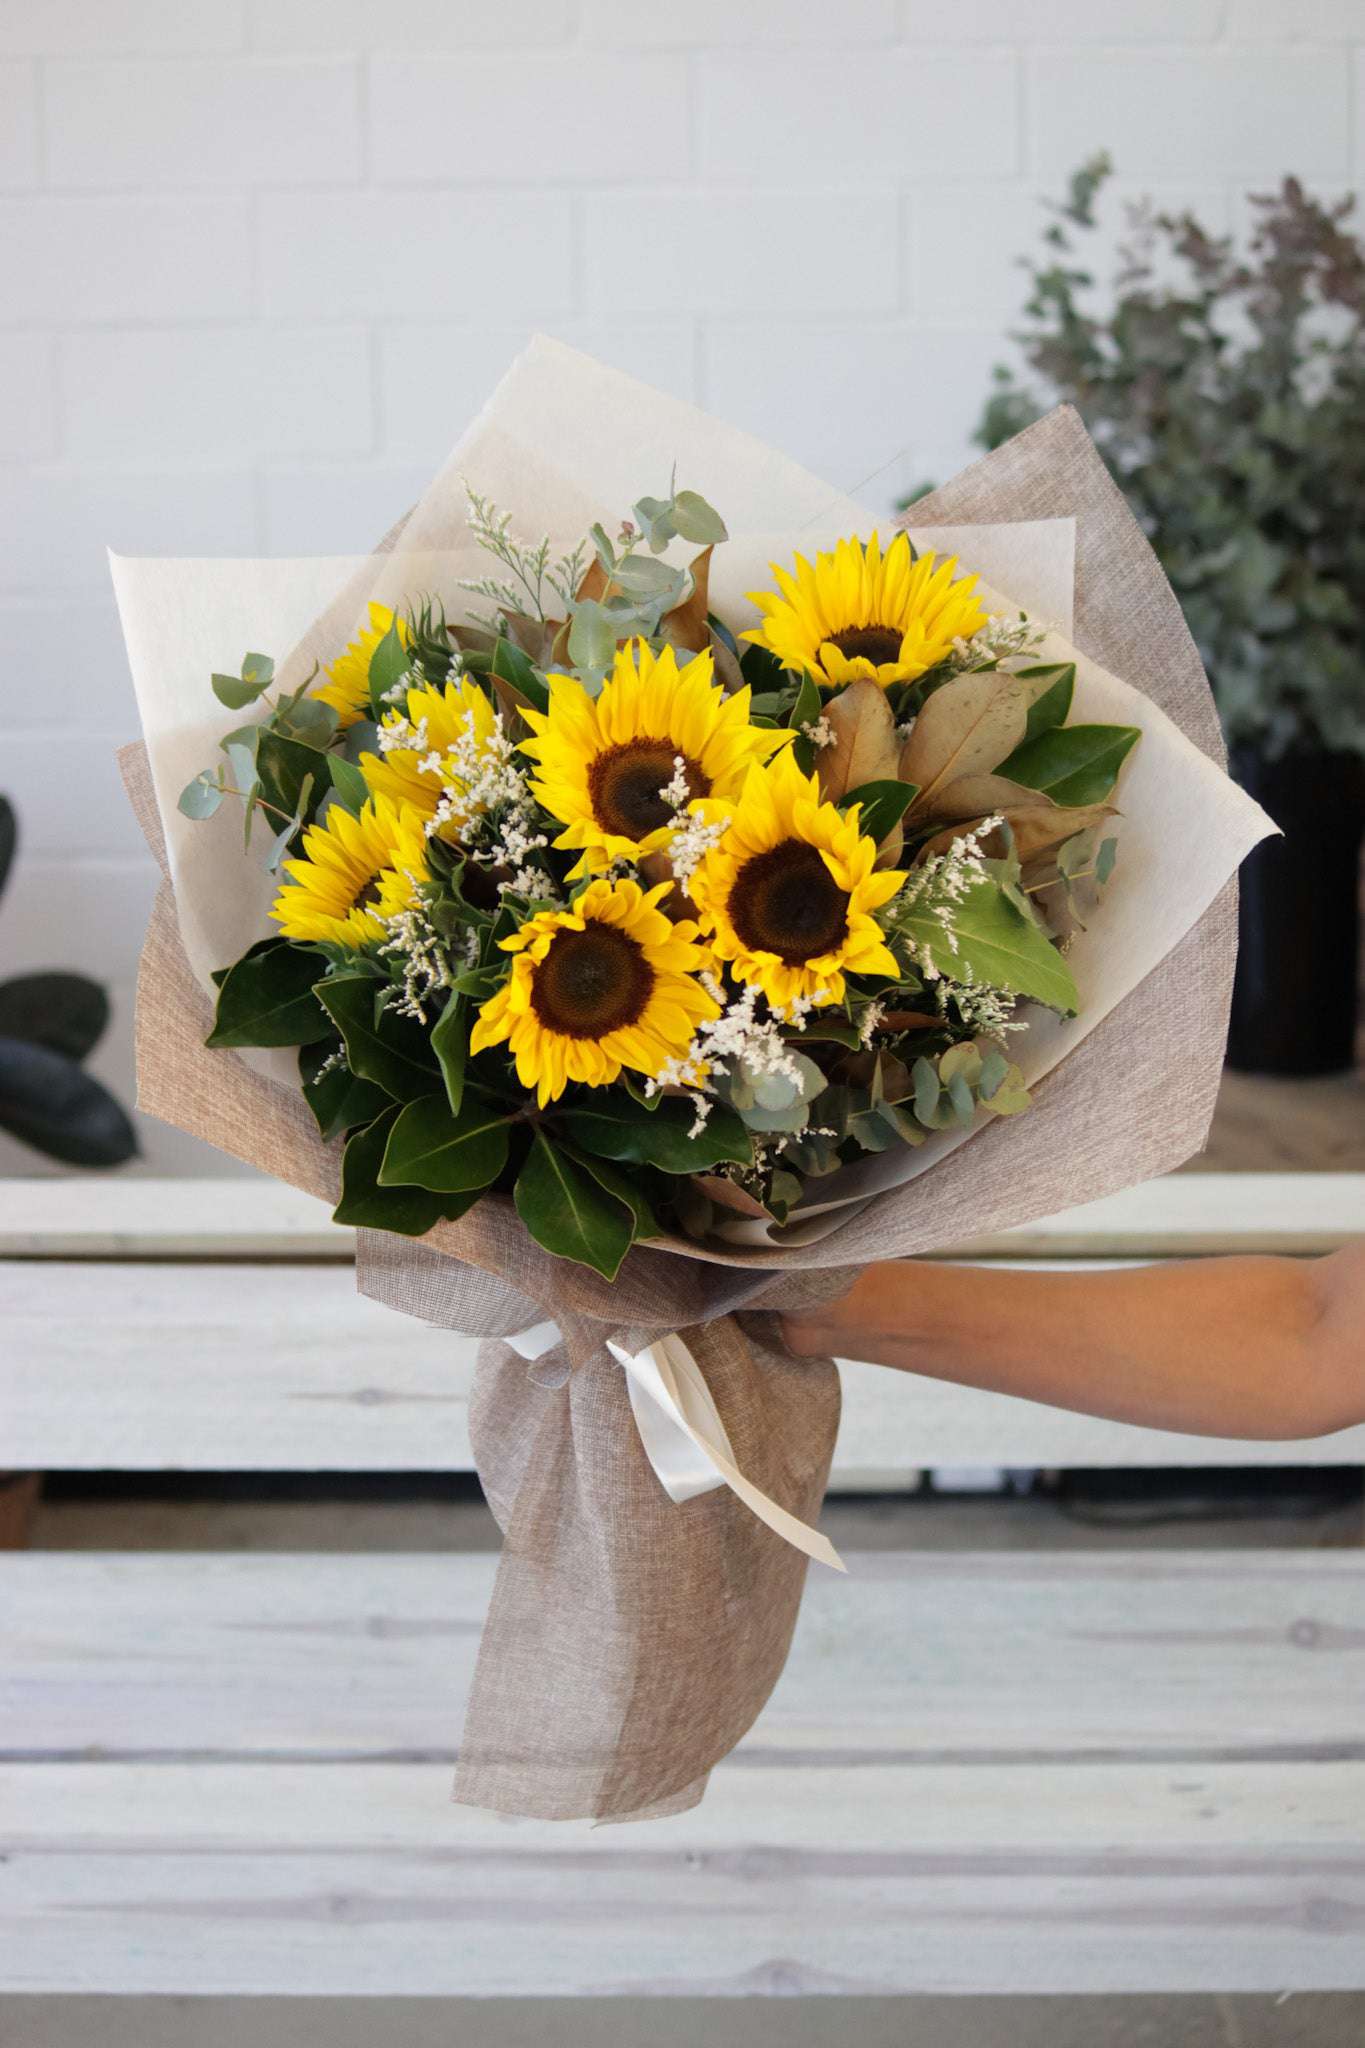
x=655 y=1458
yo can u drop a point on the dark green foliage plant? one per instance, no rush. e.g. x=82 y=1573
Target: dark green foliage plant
x=48 y=1023
x=1226 y=391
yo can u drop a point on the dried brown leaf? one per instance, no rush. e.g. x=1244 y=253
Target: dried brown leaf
x=967 y=727
x=686 y=625
x=865 y=746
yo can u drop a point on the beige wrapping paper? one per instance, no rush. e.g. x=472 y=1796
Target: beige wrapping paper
x=630 y=1641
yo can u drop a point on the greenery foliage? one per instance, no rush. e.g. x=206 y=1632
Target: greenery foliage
x=1226 y=391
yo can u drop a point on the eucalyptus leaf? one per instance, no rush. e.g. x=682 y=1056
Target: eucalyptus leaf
x=201 y=797
x=697 y=521
x=592 y=637
x=239 y=691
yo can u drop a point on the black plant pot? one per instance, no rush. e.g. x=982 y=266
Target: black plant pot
x=1294 y=999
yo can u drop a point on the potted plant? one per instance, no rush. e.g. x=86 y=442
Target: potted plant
x=1227 y=393
x=48 y=1023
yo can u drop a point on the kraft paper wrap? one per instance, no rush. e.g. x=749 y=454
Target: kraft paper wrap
x=630 y=1641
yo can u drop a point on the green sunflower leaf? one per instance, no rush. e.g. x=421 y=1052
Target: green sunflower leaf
x=392 y=1051
x=616 y=1128
x=1073 y=764
x=266 y=998
x=569 y=1212
x=407 y=1211
x=431 y=1147
x=339 y=1101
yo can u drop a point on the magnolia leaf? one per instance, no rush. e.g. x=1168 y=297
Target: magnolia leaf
x=619 y=1129
x=726 y=1194
x=687 y=625
x=337 y=1099
x=1036 y=823
x=1075 y=765
x=392 y=1051
x=267 y=998
x=407 y=1211
x=450 y=1043
x=432 y=1147
x=994 y=942
x=1052 y=685
x=620 y=1185
x=967 y=727
x=569 y=1212
x=388 y=666
x=864 y=748
x=883 y=805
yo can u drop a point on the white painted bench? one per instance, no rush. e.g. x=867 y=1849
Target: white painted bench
x=980 y=1773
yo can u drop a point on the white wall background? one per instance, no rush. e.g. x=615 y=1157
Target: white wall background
x=260 y=259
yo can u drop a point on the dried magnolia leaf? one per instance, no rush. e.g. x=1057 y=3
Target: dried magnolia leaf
x=728 y=671
x=909 y=1020
x=864 y=748
x=686 y=625
x=726 y=1195
x=1038 y=825
x=966 y=728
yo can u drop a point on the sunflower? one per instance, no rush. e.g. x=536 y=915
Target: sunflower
x=606 y=984
x=787 y=895
x=456 y=722
x=603 y=763
x=347 y=688
x=354 y=872
x=861 y=613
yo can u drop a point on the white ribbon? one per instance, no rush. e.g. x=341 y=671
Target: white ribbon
x=683 y=1435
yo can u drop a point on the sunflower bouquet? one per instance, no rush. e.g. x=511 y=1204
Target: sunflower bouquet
x=641 y=929
x=647 y=917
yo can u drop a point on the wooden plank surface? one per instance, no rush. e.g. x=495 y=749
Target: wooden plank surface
x=1178 y=1215
x=217 y=1366
x=978 y=1774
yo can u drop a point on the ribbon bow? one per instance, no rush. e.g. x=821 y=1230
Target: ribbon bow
x=683 y=1435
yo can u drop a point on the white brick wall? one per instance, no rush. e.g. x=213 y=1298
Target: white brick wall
x=260 y=259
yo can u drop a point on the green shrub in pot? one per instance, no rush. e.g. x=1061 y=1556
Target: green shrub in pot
x=1225 y=387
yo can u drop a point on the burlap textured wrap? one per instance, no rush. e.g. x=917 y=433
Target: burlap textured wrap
x=631 y=1641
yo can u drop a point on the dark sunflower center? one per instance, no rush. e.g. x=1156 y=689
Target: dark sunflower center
x=367 y=894
x=591 y=982
x=872 y=643
x=787 y=902
x=625 y=784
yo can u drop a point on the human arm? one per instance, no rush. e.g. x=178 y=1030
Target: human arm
x=1242 y=1347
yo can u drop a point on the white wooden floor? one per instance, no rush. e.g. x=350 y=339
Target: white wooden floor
x=1119 y=1773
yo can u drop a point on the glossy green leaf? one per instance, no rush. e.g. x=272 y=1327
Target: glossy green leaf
x=266 y=998
x=884 y=804
x=339 y=1100
x=388 y=665
x=65 y=1012
x=622 y=1187
x=365 y=1205
x=995 y=943
x=381 y=1046
x=1073 y=764
x=432 y=1147
x=569 y=1212
x=617 y=1128
x=1052 y=705
x=450 y=1043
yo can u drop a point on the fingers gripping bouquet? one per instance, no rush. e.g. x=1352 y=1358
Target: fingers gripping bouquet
x=632 y=915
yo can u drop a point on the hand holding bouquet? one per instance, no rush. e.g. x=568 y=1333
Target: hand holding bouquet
x=650 y=924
